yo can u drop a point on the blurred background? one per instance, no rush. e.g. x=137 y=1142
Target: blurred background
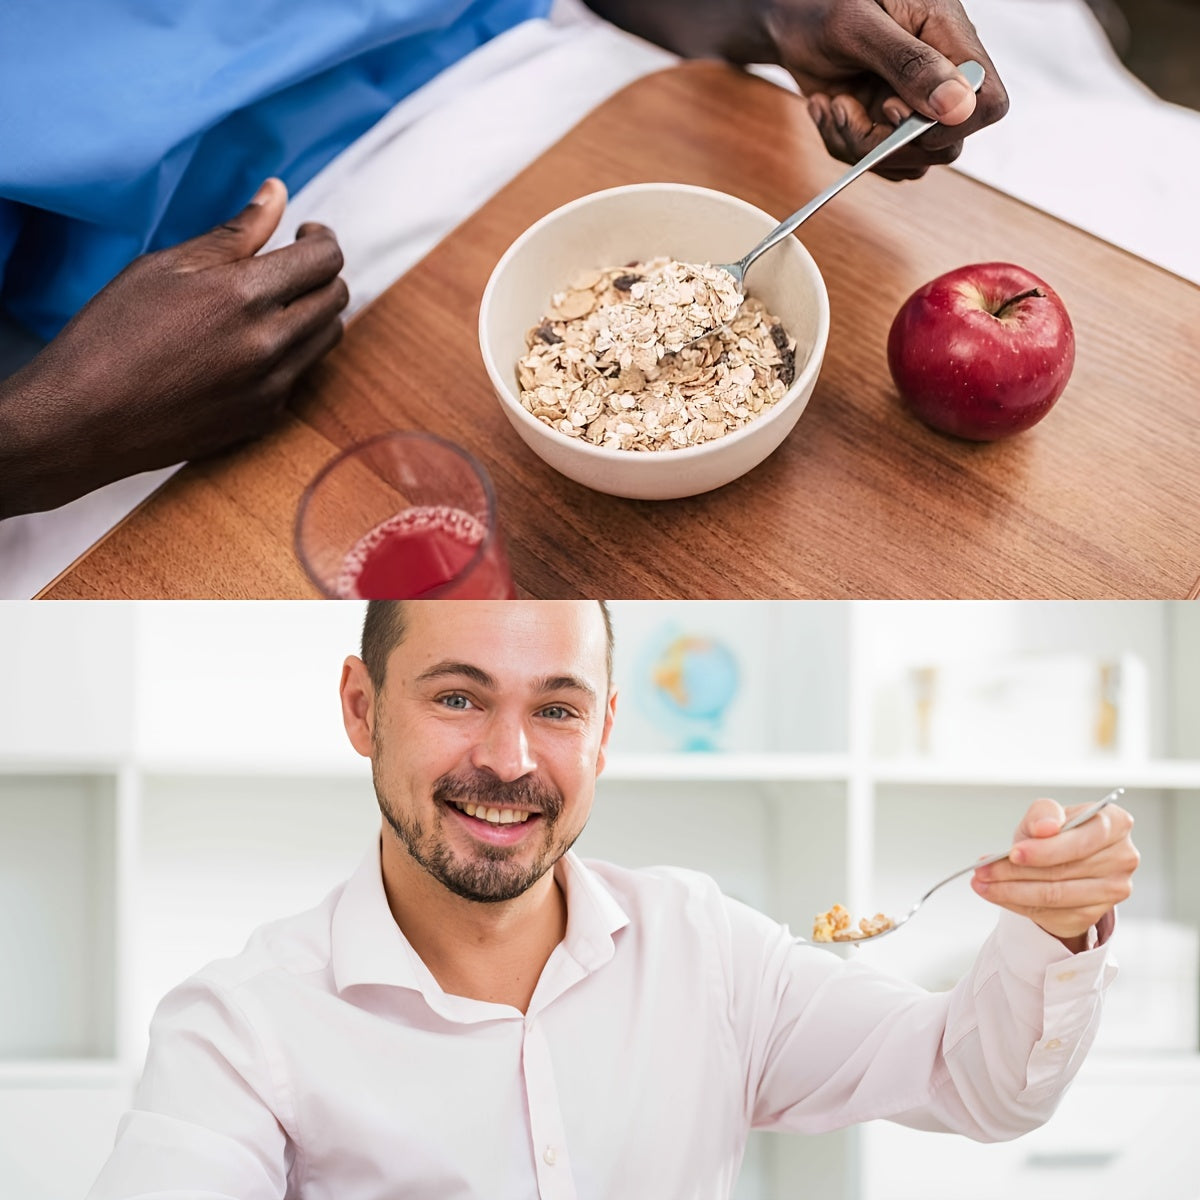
x=1159 y=41
x=172 y=775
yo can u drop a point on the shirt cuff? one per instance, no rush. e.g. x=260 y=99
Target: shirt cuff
x=1072 y=988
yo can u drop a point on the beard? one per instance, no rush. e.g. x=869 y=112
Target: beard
x=490 y=875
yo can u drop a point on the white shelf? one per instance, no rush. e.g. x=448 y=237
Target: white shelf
x=700 y=767
x=350 y=767
x=1166 y=774
x=65 y=1073
x=1156 y=773
x=666 y=767
x=66 y=765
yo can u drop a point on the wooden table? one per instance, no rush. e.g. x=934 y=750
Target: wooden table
x=1099 y=500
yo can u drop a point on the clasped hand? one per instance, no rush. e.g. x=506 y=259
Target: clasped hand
x=189 y=351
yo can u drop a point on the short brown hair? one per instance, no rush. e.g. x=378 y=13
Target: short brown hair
x=384 y=627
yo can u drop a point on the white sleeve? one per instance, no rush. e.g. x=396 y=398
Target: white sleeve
x=204 y=1122
x=829 y=1043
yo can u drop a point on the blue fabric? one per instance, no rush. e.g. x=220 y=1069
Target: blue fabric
x=129 y=125
x=11 y=217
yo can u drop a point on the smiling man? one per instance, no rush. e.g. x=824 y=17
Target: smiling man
x=479 y=1013
x=486 y=726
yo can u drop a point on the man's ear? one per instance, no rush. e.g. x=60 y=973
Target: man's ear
x=358 y=704
x=610 y=712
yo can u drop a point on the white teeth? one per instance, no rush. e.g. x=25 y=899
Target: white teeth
x=494 y=816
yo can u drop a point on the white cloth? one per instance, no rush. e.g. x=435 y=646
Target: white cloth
x=325 y=1060
x=1084 y=140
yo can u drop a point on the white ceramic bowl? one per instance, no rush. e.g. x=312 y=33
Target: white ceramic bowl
x=638 y=222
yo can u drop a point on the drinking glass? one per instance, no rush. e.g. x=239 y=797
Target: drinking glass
x=403 y=516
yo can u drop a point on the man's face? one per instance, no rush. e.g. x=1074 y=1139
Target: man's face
x=487 y=738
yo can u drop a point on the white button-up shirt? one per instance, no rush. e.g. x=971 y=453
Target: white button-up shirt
x=325 y=1061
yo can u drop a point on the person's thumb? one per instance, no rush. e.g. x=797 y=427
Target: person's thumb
x=923 y=78
x=1044 y=819
x=243 y=235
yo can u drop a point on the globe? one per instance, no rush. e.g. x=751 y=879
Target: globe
x=691 y=680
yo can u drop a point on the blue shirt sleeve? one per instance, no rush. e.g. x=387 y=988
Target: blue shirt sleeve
x=162 y=118
x=10 y=226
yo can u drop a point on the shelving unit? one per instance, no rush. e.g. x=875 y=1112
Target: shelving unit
x=219 y=793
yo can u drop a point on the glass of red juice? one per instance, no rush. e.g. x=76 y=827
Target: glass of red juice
x=403 y=516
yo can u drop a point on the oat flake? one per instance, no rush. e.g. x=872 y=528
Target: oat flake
x=614 y=361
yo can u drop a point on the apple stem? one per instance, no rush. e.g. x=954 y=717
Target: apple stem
x=1016 y=300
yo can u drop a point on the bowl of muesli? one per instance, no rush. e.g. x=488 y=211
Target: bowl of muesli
x=595 y=331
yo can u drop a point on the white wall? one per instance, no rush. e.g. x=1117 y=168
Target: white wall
x=243 y=681
x=66 y=680
x=1184 y=650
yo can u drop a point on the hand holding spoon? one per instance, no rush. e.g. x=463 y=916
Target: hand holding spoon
x=1078 y=819
x=904 y=133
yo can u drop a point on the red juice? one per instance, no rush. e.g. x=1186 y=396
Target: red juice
x=419 y=551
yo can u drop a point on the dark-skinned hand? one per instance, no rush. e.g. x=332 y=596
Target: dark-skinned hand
x=866 y=65
x=863 y=65
x=189 y=351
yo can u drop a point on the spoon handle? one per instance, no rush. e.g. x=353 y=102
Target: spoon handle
x=1078 y=819
x=903 y=134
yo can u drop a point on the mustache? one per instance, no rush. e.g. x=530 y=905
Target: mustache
x=482 y=787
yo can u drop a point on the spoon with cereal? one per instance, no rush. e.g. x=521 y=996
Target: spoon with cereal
x=905 y=132
x=834 y=925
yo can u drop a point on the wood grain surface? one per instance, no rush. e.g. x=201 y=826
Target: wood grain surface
x=1099 y=500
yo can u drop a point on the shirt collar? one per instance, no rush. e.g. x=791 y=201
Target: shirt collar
x=593 y=913
x=368 y=946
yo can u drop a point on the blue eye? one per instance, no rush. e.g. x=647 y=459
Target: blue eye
x=457 y=701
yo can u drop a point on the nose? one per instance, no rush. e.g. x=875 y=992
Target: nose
x=504 y=749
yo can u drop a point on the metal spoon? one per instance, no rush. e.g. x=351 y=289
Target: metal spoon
x=1077 y=819
x=904 y=133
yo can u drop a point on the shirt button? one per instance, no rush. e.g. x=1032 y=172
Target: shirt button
x=1053 y=1044
x=550 y=1156
x=1065 y=976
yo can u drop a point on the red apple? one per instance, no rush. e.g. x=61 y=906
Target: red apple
x=982 y=352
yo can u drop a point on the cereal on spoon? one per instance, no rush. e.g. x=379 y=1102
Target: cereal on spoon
x=616 y=361
x=834 y=926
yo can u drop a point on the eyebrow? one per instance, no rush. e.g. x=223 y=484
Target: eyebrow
x=548 y=683
x=463 y=670
x=565 y=683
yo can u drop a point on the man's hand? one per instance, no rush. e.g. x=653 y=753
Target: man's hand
x=188 y=351
x=1064 y=882
x=865 y=65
